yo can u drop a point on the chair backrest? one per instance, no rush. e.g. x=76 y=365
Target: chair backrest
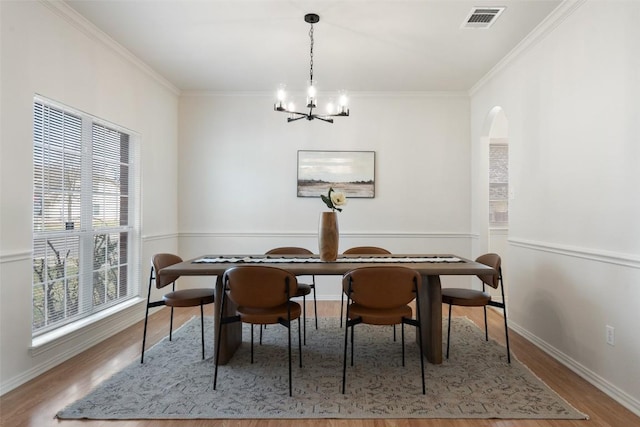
x=160 y=261
x=289 y=250
x=365 y=250
x=491 y=260
x=259 y=286
x=382 y=287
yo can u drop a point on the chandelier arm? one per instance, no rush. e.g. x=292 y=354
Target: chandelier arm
x=293 y=119
x=324 y=119
x=295 y=112
x=337 y=115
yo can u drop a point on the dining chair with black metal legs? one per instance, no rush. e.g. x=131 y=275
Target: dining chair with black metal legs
x=380 y=295
x=180 y=298
x=262 y=297
x=303 y=290
x=362 y=250
x=476 y=298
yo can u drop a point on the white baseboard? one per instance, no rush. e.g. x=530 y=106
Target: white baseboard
x=92 y=335
x=596 y=380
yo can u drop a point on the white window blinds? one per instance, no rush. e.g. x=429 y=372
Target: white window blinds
x=84 y=257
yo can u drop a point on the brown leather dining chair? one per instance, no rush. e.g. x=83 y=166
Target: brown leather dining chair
x=363 y=250
x=380 y=295
x=262 y=296
x=477 y=298
x=304 y=289
x=179 y=298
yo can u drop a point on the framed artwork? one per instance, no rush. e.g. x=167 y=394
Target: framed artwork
x=352 y=172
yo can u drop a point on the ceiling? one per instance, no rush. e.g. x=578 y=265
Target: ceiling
x=360 y=45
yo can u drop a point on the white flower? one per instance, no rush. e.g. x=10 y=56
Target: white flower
x=338 y=198
x=334 y=199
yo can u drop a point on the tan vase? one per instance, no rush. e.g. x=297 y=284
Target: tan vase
x=328 y=236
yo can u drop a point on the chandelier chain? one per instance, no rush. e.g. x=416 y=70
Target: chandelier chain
x=311 y=54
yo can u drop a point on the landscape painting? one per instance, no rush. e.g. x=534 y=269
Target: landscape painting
x=352 y=172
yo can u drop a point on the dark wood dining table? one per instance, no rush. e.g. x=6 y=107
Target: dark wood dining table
x=430 y=267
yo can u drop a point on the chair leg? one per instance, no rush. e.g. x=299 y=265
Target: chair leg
x=394 y=333
x=146 y=319
x=344 y=357
x=202 y=328
x=315 y=305
x=394 y=329
x=304 y=319
x=252 y=340
x=486 y=328
x=506 y=334
x=341 y=307
x=299 y=345
x=146 y=315
x=217 y=358
x=289 y=334
x=171 y=324
x=353 y=329
x=448 y=331
x=144 y=335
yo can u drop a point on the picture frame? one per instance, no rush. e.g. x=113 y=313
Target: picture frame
x=351 y=172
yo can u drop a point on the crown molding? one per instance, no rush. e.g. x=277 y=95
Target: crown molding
x=540 y=32
x=382 y=94
x=63 y=10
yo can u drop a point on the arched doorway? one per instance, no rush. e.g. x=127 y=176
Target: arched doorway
x=496 y=136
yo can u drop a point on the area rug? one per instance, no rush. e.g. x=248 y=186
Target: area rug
x=175 y=383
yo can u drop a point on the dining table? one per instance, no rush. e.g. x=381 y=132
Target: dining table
x=430 y=267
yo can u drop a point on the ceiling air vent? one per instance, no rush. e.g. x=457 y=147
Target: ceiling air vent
x=482 y=17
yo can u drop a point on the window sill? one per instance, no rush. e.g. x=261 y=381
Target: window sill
x=109 y=320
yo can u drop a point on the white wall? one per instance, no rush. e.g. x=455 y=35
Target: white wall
x=571 y=101
x=238 y=173
x=48 y=50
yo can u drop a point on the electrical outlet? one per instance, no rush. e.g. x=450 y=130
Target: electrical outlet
x=611 y=335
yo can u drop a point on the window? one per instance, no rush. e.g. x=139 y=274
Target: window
x=498 y=185
x=84 y=227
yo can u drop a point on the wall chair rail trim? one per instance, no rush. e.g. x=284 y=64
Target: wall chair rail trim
x=157 y=237
x=16 y=256
x=616 y=258
x=301 y=234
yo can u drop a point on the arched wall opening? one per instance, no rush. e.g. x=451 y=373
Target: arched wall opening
x=498 y=189
x=491 y=189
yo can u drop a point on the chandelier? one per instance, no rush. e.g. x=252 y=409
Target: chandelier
x=341 y=110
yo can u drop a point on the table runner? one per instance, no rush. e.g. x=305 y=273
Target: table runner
x=257 y=259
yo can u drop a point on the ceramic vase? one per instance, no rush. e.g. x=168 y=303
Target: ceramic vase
x=328 y=236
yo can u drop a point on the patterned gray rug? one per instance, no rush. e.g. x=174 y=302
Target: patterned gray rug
x=174 y=383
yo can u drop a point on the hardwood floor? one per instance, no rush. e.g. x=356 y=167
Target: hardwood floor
x=35 y=404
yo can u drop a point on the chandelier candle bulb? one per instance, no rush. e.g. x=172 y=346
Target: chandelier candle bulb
x=344 y=101
x=311 y=96
x=281 y=97
x=330 y=108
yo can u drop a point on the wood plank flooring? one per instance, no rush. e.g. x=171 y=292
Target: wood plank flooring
x=35 y=404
